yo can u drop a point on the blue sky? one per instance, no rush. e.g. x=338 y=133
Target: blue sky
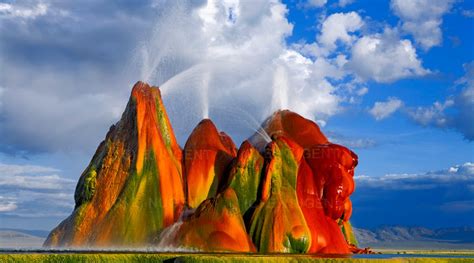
x=392 y=80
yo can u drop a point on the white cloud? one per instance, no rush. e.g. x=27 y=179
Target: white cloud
x=32 y=191
x=385 y=58
x=13 y=169
x=338 y=27
x=32 y=177
x=362 y=91
x=2 y=90
x=433 y=115
x=343 y=3
x=350 y=142
x=228 y=60
x=382 y=110
x=316 y=3
x=44 y=182
x=422 y=19
x=246 y=65
x=7 y=204
x=26 y=12
x=461 y=117
x=463 y=174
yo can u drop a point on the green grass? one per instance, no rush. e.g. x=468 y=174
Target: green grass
x=168 y=257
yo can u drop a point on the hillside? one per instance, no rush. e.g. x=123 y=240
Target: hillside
x=400 y=237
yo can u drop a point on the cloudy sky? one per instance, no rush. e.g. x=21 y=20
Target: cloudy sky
x=392 y=80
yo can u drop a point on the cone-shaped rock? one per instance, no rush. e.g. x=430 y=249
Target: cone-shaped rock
x=215 y=226
x=244 y=176
x=289 y=124
x=324 y=181
x=278 y=224
x=133 y=187
x=207 y=155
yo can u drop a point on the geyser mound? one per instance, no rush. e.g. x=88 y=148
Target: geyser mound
x=287 y=195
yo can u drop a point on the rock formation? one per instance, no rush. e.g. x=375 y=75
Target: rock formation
x=133 y=187
x=290 y=194
x=207 y=154
x=278 y=224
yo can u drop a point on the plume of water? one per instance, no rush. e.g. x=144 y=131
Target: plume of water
x=205 y=94
x=162 y=55
x=247 y=119
x=168 y=235
x=280 y=89
x=207 y=53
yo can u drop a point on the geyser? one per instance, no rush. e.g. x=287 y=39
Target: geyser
x=286 y=191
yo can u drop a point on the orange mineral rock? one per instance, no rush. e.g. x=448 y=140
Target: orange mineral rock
x=291 y=125
x=133 y=186
x=278 y=225
x=325 y=179
x=207 y=155
x=215 y=226
x=286 y=191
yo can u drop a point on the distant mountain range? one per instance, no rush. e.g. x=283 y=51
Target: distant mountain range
x=388 y=237
x=401 y=237
x=21 y=238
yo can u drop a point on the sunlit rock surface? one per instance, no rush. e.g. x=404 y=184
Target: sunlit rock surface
x=286 y=191
x=278 y=224
x=216 y=225
x=244 y=177
x=133 y=186
x=286 y=123
x=207 y=154
x=325 y=180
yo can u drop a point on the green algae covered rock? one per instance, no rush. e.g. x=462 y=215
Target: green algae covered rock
x=277 y=224
x=244 y=177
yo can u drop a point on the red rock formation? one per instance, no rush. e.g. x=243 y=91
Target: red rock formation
x=207 y=154
x=278 y=224
x=133 y=187
x=292 y=198
x=332 y=168
x=325 y=179
x=291 y=125
x=216 y=225
x=244 y=177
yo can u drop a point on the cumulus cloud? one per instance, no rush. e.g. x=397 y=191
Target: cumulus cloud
x=422 y=19
x=228 y=60
x=351 y=142
x=26 y=12
x=413 y=198
x=458 y=174
x=7 y=204
x=382 y=110
x=464 y=119
x=244 y=58
x=75 y=88
x=34 y=191
x=316 y=3
x=432 y=115
x=343 y=3
x=13 y=169
x=339 y=27
x=385 y=58
x=456 y=112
